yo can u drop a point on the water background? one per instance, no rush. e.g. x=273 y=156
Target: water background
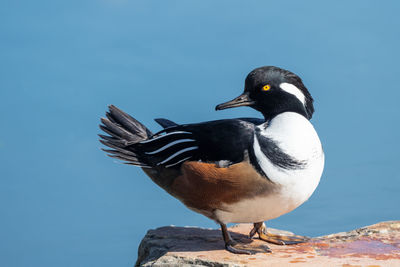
x=64 y=203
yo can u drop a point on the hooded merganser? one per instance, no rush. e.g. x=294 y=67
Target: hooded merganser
x=243 y=170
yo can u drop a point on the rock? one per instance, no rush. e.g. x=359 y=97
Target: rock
x=375 y=245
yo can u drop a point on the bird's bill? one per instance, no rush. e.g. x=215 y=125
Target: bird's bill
x=242 y=100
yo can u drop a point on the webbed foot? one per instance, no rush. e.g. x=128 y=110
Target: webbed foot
x=238 y=248
x=261 y=230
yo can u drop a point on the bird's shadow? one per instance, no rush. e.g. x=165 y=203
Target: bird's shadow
x=162 y=240
x=199 y=239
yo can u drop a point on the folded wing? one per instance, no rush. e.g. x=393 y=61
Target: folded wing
x=223 y=141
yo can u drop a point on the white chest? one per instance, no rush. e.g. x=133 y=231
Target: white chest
x=296 y=137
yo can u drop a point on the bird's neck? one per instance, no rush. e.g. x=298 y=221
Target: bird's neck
x=271 y=113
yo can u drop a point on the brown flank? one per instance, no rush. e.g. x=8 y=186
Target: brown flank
x=204 y=187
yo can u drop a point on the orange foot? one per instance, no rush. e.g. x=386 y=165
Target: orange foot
x=261 y=230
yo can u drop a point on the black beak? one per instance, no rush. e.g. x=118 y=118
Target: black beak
x=242 y=100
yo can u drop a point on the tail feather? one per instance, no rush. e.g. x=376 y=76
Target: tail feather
x=128 y=122
x=124 y=131
x=112 y=140
x=118 y=131
x=119 y=149
x=165 y=123
x=126 y=158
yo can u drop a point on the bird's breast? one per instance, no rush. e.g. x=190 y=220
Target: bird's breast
x=294 y=165
x=295 y=137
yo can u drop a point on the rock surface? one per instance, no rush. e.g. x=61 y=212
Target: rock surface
x=375 y=245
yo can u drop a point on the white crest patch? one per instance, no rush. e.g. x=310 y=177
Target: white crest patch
x=291 y=89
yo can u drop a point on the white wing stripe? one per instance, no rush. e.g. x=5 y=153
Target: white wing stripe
x=165 y=135
x=178 y=153
x=167 y=166
x=169 y=145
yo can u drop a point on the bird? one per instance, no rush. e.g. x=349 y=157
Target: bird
x=241 y=170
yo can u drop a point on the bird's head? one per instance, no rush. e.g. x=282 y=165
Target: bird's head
x=272 y=90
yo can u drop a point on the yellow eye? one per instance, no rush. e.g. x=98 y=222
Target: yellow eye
x=266 y=87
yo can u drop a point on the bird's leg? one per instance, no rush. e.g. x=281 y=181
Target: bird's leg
x=231 y=245
x=261 y=230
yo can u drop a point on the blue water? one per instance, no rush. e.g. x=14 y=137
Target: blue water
x=64 y=203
